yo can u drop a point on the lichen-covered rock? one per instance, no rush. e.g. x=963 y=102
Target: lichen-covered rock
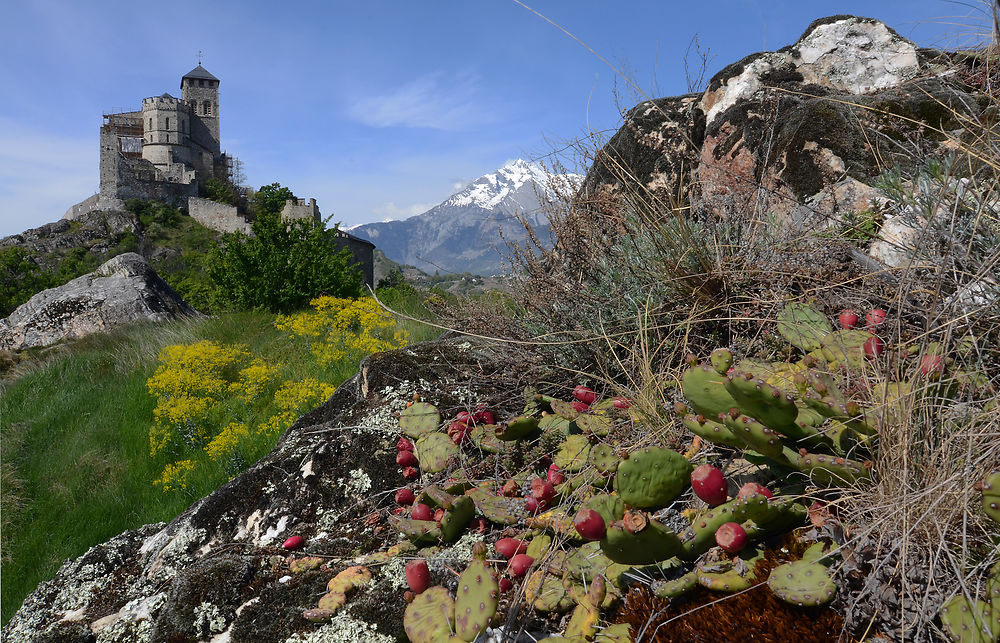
x=218 y=569
x=794 y=136
x=123 y=290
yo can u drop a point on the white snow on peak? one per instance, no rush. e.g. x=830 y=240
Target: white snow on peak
x=489 y=190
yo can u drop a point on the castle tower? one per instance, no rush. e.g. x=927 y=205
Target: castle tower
x=200 y=90
x=166 y=128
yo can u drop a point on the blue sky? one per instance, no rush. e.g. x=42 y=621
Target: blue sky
x=378 y=109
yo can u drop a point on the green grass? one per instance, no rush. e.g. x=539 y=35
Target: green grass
x=76 y=468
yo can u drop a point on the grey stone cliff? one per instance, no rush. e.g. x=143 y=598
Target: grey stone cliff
x=122 y=291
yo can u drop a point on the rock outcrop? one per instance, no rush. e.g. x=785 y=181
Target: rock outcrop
x=218 y=572
x=796 y=136
x=123 y=290
x=97 y=232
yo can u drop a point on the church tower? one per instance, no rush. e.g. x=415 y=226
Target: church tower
x=200 y=90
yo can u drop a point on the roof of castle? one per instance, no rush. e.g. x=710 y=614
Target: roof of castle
x=199 y=72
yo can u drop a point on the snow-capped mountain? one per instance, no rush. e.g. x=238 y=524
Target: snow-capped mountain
x=462 y=234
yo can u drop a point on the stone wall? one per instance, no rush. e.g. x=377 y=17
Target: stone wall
x=217 y=216
x=300 y=210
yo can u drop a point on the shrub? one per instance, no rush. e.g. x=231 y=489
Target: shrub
x=282 y=266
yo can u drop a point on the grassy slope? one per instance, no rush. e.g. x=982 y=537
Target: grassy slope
x=75 y=449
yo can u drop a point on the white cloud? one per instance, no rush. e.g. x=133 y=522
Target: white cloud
x=389 y=211
x=42 y=175
x=459 y=185
x=433 y=100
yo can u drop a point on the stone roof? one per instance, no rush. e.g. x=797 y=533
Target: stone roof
x=166 y=95
x=199 y=72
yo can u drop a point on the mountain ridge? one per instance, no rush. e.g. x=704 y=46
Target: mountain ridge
x=462 y=233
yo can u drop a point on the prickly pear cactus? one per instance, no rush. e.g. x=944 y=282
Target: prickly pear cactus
x=572 y=454
x=476 y=596
x=544 y=591
x=419 y=418
x=802 y=583
x=434 y=450
x=517 y=428
x=704 y=389
x=803 y=326
x=594 y=424
x=604 y=457
x=991 y=495
x=649 y=543
x=430 y=617
x=652 y=477
x=503 y=511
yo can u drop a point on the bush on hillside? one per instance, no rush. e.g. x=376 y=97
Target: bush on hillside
x=282 y=266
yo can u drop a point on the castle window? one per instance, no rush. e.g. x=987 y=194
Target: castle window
x=168 y=123
x=207 y=108
x=201 y=82
x=151 y=123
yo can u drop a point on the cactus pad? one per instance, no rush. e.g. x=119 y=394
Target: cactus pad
x=456 y=518
x=300 y=565
x=827 y=469
x=503 y=511
x=349 y=579
x=419 y=418
x=419 y=531
x=594 y=424
x=676 y=587
x=429 y=618
x=572 y=454
x=991 y=496
x=756 y=436
x=604 y=457
x=802 y=583
x=610 y=507
x=484 y=436
x=544 y=591
x=564 y=409
x=475 y=600
x=650 y=545
x=704 y=388
x=713 y=431
x=434 y=450
x=556 y=424
x=519 y=427
x=761 y=401
x=803 y=326
x=652 y=477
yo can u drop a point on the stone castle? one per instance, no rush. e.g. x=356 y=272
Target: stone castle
x=171 y=147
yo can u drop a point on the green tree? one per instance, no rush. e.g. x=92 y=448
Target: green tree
x=221 y=191
x=269 y=199
x=282 y=265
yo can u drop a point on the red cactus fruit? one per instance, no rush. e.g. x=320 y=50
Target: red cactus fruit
x=731 y=537
x=405 y=497
x=709 y=484
x=752 y=488
x=483 y=415
x=404 y=445
x=418 y=577
x=581 y=407
x=874 y=346
x=542 y=490
x=585 y=395
x=406 y=459
x=506 y=585
x=510 y=547
x=589 y=524
x=421 y=511
x=531 y=505
x=519 y=564
x=463 y=417
x=478 y=525
x=555 y=475
x=622 y=402
x=932 y=365
x=438 y=515
x=848 y=319
x=410 y=473
x=875 y=318
x=295 y=542
x=398 y=510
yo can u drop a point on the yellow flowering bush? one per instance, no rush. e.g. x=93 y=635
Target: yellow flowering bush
x=174 y=476
x=336 y=327
x=293 y=398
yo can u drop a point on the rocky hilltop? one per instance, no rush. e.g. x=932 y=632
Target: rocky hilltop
x=797 y=135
